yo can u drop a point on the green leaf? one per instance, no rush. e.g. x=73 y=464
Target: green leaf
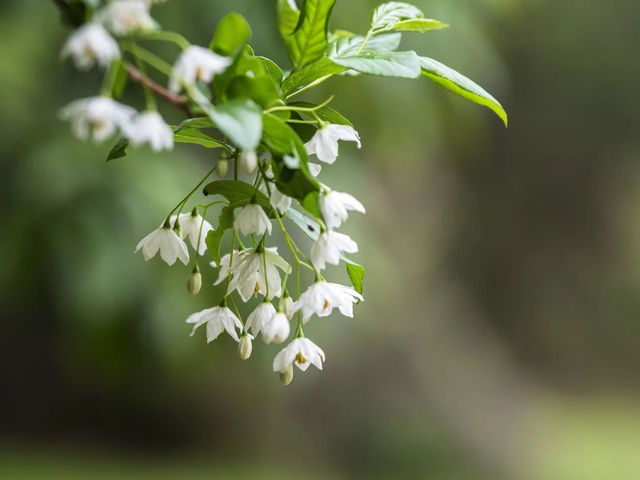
x=311 y=228
x=356 y=274
x=119 y=150
x=238 y=192
x=385 y=64
x=262 y=90
x=288 y=17
x=197 y=122
x=120 y=77
x=457 y=83
x=241 y=121
x=348 y=46
x=388 y=14
x=195 y=136
x=325 y=113
x=214 y=237
x=309 y=39
x=279 y=137
x=419 y=25
x=232 y=33
x=307 y=75
x=275 y=72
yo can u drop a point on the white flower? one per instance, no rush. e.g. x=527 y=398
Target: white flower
x=225 y=265
x=248 y=161
x=196 y=64
x=252 y=219
x=277 y=329
x=279 y=200
x=190 y=226
x=167 y=241
x=259 y=317
x=301 y=351
x=126 y=16
x=218 y=320
x=89 y=44
x=249 y=273
x=328 y=248
x=150 y=127
x=314 y=168
x=245 y=347
x=324 y=142
x=322 y=297
x=99 y=117
x=335 y=208
x=287 y=306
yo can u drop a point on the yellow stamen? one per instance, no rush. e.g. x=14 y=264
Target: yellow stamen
x=300 y=359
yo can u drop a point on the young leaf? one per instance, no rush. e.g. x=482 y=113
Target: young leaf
x=307 y=75
x=348 y=46
x=309 y=39
x=325 y=113
x=384 y=64
x=232 y=33
x=288 y=17
x=275 y=72
x=356 y=274
x=119 y=150
x=388 y=14
x=457 y=83
x=262 y=90
x=241 y=121
x=195 y=136
x=419 y=25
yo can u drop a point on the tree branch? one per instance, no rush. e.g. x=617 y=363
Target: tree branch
x=176 y=100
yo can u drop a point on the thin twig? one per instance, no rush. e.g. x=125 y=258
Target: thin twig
x=176 y=100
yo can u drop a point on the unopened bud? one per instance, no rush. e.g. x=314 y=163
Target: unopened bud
x=194 y=284
x=287 y=376
x=245 y=347
x=287 y=306
x=248 y=161
x=223 y=167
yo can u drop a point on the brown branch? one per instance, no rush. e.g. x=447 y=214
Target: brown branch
x=176 y=100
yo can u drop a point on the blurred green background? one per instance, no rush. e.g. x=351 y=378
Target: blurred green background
x=500 y=333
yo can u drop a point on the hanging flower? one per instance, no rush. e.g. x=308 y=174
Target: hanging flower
x=252 y=219
x=123 y=17
x=322 y=297
x=150 y=127
x=218 y=320
x=167 y=242
x=225 y=265
x=279 y=200
x=98 y=117
x=249 y=273
x=277 y=329
x=245 y=346
x=248 y=161
x=335 y=207
x=257 y=319
x=301 y=351
x=194 y=227
x=91 y=44
x=324 y=142
x=329 y=247
x=196 y=64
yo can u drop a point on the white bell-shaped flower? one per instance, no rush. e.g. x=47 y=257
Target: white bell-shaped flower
x=249 y=273
x=335 y=207
x=97 y=117
x=245 y=347
x=301 y=351
x=166 y=241
x=226 y=262
x=279 y=200
x=277 y=329
x=324 y=142
x=329 y=247
x=123 y=17
x=248 y=161
x=322 y=297
x=194 y=227
x=150 y=127
x=218 y=319
x=257 y=319
x=91 y=44
x=288 y=305
x=252 y=219
x=196 y=64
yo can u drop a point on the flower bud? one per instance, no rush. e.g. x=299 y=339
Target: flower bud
x=248 y=161
x=287 y=306
x=223 y=167
x=194 y=283
x=245 y=347
x=287 y=376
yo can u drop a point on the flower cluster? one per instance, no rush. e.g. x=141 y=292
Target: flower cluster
x=241 y=104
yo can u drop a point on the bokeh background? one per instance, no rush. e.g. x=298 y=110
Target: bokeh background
x=500 y=333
